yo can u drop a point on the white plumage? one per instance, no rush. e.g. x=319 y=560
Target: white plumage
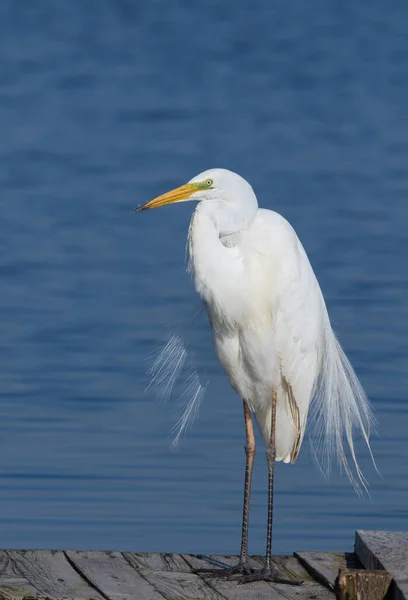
x=260 y=293
x=269 y=322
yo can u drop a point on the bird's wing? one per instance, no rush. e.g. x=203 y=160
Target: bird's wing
x=298 y=310
x=313 y=365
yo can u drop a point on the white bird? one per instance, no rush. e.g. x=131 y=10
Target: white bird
x=271 y=332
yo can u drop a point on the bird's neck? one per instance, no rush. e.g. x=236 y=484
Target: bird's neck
x=212 y=254
x=227 y=218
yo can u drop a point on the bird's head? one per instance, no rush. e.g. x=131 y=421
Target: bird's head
x=221 y=190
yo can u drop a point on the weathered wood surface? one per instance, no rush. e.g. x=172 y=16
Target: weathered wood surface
x=325 y=566
x=288 y=567
x=80 y=575
x=362 y=584
x=386 y=550
x=13 y=584
x=51 y=575
x=172 y=576
x=111 y=575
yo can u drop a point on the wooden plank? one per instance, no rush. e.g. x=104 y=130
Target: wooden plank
x=230 y=589
x=386 y=550
x=288 y=566
x=171 y=575
x=181 y=586
x=362 y=584
x=51 y=575
x=157 y=562
x=112 y=575
x=13 y=585
x=325 y=566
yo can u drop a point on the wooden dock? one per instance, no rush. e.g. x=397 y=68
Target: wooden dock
x=82 y=575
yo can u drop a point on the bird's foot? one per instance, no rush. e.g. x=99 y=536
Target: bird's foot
x=241 y=568
x=267 y=574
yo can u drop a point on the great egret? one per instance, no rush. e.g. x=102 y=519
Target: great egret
x=271 y=331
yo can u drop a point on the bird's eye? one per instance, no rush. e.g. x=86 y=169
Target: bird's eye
x=209 y=182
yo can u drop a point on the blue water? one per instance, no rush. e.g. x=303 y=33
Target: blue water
x=105 y=104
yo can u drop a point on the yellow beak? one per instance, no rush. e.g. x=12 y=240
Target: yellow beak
x=177 y=195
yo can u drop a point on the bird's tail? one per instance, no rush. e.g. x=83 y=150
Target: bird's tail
x=339 y=409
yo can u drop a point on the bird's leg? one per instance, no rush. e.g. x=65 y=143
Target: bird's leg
x=243 y=567
x=268 y=573
x=270 y=457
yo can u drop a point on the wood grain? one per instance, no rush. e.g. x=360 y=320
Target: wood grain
x=13 y=585
x=324 y=566
x=172 y=576
x=51 y=575
x=112 y=575
x=362 y=584
x=386 y=550
x=288 y=567
x=80 y=575
x=183 y=586
x=158 y=562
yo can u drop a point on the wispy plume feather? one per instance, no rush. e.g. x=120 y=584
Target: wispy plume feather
x=172 y=368
x=188 y=405
x=165 y=367
x=339 y=409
